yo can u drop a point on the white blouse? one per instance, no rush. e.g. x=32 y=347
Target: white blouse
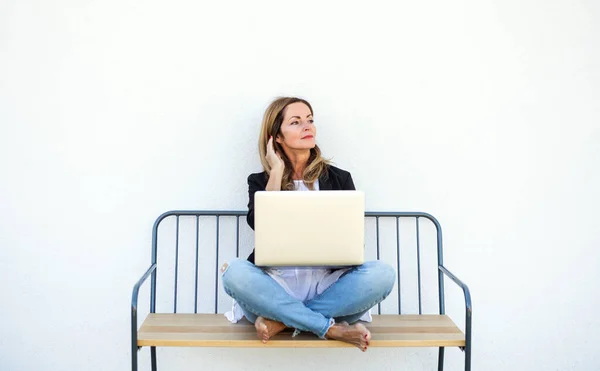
x=302 y=283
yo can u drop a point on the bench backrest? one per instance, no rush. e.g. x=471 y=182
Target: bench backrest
x=188 y=248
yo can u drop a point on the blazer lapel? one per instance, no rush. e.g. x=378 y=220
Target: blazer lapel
x=325 y=182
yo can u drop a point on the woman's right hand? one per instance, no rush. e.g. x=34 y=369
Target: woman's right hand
x=273 y=158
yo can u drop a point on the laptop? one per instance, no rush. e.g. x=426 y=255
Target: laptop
x=311 y=229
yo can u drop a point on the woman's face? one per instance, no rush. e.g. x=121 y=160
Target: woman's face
x=297 y=129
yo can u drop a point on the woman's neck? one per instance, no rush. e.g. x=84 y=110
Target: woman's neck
x=299 y=161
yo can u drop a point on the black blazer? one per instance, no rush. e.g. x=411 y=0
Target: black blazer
x=334 y=179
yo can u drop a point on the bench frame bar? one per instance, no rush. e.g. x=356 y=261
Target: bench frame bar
x=151 y=272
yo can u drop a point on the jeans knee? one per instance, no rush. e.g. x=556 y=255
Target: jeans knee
x=388 y=276
x=383 y=275
x=234 y=277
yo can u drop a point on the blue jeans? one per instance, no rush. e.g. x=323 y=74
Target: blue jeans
x=351 y=296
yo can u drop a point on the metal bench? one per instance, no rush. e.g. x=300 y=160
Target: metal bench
x=208 y=327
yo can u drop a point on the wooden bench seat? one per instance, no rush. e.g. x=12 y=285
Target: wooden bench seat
x=213 y=330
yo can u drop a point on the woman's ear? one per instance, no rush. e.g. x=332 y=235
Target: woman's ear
x=279 y=139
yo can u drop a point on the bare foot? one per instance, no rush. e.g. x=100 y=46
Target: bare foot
x=357 y=334
x=265 y=328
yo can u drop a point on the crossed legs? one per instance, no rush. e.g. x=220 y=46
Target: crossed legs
x=331 y=314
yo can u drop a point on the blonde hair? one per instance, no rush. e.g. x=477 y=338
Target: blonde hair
x=271 y=126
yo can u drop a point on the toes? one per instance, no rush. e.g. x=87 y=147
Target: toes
x=367 y=335
x=262 y=332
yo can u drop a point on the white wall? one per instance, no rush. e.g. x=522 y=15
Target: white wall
x=484 y=113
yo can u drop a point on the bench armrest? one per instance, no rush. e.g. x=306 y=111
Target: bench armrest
x=468 y=305
x=138 y=284
x=461 y=284
x=134 y=305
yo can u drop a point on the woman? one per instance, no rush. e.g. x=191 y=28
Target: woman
x=323 y=301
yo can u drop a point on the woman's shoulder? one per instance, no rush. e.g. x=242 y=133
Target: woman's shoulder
x=262 y=174
x=336 y=179
x=337 y=172
x=258 y=178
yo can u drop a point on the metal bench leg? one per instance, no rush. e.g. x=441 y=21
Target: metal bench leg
x=134 y=364
x=153 y=357
x=441 y=359
x=468 y=357
x=134 y=352
x=468 y=342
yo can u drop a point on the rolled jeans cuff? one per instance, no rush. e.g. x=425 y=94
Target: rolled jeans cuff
x=326 y=328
